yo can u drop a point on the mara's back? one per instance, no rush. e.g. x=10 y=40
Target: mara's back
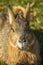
x=4 y=34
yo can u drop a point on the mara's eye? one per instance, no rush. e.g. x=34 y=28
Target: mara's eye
x=12 y=29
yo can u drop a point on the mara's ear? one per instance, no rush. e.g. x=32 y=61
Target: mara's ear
x=10 y=14
x=27 y=12
x=20 y=9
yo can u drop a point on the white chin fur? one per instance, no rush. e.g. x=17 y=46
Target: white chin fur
x=21 y=45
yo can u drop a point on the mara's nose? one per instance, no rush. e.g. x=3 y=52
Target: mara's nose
x=22 y=40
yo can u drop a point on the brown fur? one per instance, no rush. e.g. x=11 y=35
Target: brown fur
x=31 y=53
x=4 y=34
x=18 y=29
x=30 y=56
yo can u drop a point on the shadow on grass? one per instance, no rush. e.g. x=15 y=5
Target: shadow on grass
x=39 y=35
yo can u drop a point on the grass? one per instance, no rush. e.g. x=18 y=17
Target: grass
x=36 y=20
x=2 y=63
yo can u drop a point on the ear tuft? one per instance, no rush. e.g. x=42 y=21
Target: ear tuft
x=27 y=12
x=11 y=14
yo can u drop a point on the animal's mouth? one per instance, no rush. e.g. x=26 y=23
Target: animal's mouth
x=21 y=45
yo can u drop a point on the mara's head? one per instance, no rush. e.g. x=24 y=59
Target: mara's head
x=20 y=27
